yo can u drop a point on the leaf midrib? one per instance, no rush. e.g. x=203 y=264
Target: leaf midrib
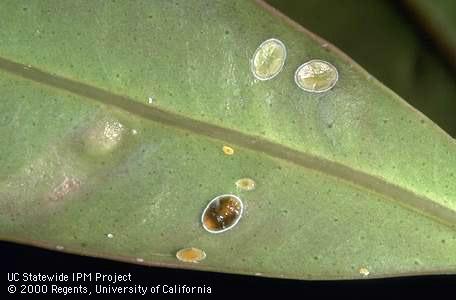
x=405 y=197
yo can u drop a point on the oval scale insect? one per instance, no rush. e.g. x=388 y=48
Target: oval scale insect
x=191 y=255
x=268 y=59
x=316 y=76
x=222 y=213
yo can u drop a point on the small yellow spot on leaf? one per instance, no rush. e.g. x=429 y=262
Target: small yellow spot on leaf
x=228 y=150
x=246 y=184
x=364 y=271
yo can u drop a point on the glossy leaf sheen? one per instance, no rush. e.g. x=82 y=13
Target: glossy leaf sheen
x=350 y=179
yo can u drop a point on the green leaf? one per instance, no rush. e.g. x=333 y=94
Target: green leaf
x=348 y=182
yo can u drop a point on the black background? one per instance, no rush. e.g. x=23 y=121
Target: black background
x=19 y=258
